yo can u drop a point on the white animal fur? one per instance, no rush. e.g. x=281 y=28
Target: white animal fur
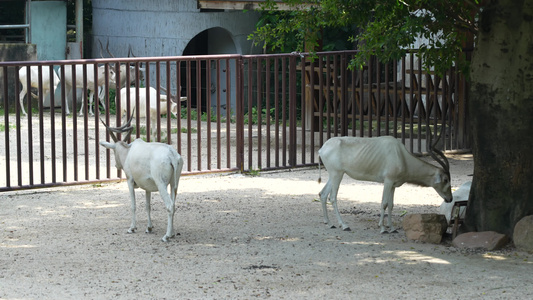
x=381 y=159
x=34 y=82
x=142 y=105
x=69 y=84
x=152 y=167
x=461 y=194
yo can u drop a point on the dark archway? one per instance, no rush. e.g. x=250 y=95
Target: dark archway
x=212 y=41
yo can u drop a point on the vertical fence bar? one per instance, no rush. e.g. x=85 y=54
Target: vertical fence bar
x=343 y=96
x=303 y=109
x=420 y=106
x=189 y=119
x=208 y=110
x=240 y=113
x=157 y=102
x=404 y=108
x=267 y=108
x=292 y=111
x=96 y=132
x=238 y=108
x=378 y=97
x=277 y=100
x=320 y=100
x=29 y=117
x=178 y=121
x=387 y=99
x=259 y=92
x=18 y=133
x=41 y=124
x=86 y=126
x=353 y=99
x=370 y=96
x=219 y=116
x=169 y=102
x=6 y=126
x=75 y=126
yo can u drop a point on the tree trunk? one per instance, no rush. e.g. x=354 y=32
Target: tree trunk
x=501 y=110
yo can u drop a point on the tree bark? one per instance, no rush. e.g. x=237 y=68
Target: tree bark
x=501 y=110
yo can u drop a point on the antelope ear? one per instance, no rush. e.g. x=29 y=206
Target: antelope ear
x=108 y=145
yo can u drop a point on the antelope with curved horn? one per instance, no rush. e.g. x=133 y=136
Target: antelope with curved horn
x=150 y=166
x=381 y=159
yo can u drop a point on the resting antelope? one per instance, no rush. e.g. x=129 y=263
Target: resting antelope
x=381 y=159
x=174 y=106
x=150 y=166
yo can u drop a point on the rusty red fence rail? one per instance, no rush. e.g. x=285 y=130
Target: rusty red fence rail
x=239 y=113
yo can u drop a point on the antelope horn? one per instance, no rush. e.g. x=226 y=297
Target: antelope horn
x=130 y=51
x=101 y=48
x=171 y=97
x=107 y=49
x=110 y=130
x=124 y=128
x=433 y=151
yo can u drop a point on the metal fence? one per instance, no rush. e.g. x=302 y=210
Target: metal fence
x=251 y=112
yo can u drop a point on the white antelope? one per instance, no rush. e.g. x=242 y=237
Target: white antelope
x=34 y=83
x=100 y=81
x=150 y=166
x=123 y=67
x=381 y=159
x=174 y=107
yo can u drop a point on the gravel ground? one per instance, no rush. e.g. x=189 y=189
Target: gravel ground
x=241 y=237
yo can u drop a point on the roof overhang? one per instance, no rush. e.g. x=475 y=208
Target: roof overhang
x=243 y=5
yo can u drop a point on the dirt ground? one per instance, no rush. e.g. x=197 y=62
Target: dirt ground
x=241 y=237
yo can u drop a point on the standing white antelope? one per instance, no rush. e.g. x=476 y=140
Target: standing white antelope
x=381 y=159
x=150 y=166
x=34 y=83
x=100 y=81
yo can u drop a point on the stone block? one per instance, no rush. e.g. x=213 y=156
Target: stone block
x=487 y=240
x=523 y=234
x=427 y=228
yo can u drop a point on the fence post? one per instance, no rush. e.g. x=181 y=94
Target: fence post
x=292 y=110
x=239 y=114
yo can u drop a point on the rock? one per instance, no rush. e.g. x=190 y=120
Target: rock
x=427 y=228
x=460 y=195
x=488 y=240
x=523 y=234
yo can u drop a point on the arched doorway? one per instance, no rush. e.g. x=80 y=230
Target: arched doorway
x=212 y=41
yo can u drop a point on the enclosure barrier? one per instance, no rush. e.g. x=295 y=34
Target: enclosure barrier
x=235 y=112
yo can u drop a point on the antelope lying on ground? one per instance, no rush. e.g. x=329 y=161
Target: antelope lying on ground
x=150 y=166
x=381 y=159
x=174 y=108
x=34 y=83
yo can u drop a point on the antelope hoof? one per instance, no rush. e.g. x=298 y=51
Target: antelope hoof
x=346 y=228
x=384 y=231
x=332 y=227
x=393 y=230
x=166 y=239
x=149 y=229
x=132 y=230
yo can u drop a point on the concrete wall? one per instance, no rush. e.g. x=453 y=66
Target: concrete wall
x=163 y=28
x=167 y=27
